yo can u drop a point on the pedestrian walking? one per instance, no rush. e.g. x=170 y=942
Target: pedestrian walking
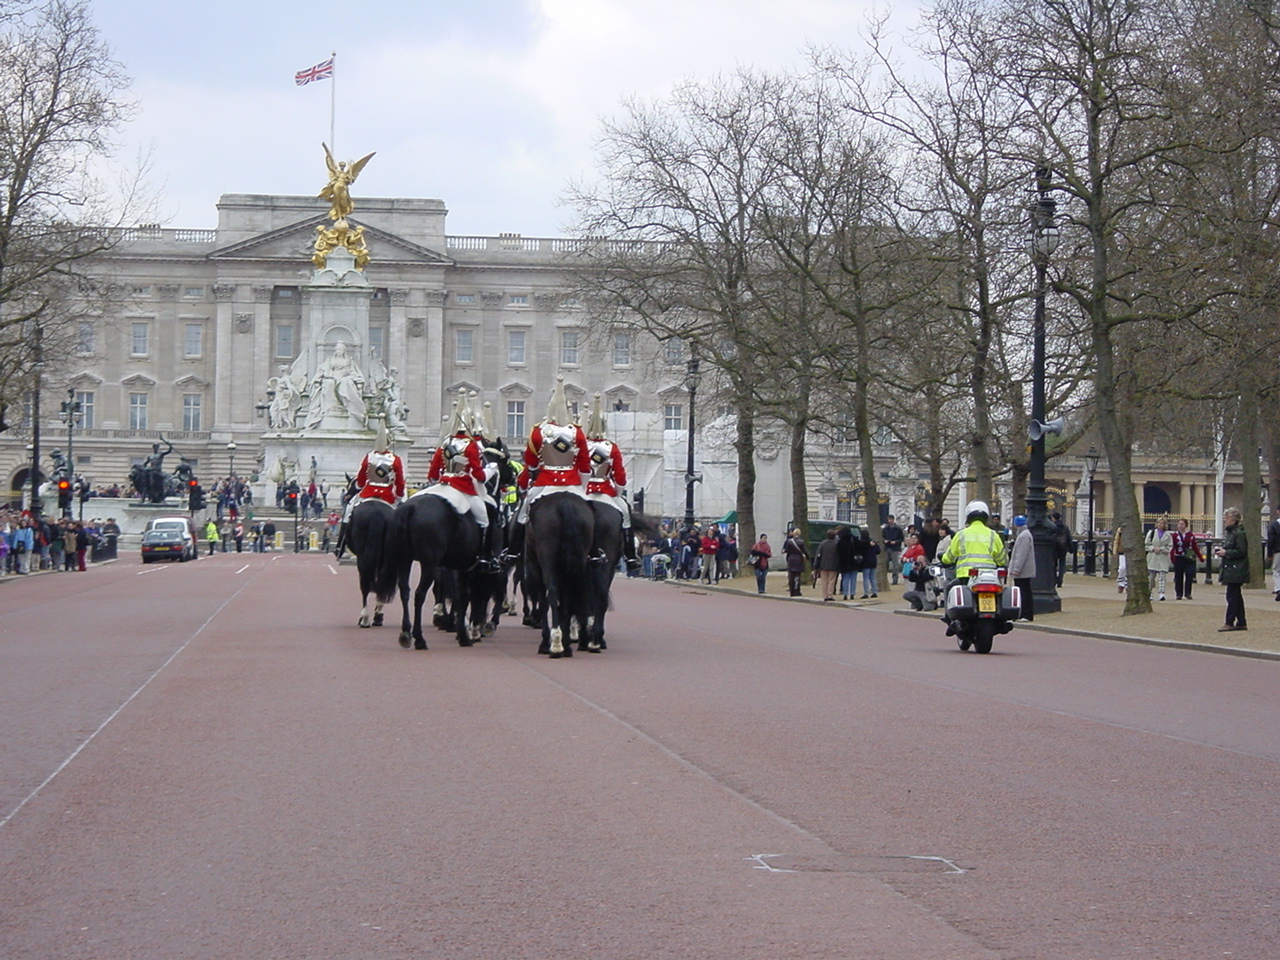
x=827 y=564
x=760 y=555
x=1186 y=551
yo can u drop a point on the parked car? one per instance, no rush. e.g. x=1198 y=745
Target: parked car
x=168 y=537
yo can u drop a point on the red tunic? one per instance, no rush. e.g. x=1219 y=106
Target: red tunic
x=381 y=475
x=468 y=480
x=612 y=478
x=556 y=475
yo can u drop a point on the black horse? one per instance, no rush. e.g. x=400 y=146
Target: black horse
x=606 y=554
x=558 y=543
x=370 y=533
x=429 y=530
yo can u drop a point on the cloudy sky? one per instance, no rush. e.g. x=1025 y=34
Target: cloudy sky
x=489 y=105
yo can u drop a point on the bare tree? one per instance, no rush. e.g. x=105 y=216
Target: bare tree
x=61 y=100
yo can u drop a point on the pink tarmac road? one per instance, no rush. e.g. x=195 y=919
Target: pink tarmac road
x=211 y=760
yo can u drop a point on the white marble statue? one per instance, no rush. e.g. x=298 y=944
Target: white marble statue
x=287 y=400
x=337 y=389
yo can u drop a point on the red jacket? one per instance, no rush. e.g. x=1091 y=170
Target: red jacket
x=557 y=476
x=470 y=480
x=370 y=484
x=616 y=475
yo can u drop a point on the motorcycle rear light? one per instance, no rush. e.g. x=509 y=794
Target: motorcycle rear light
x=987 y=588
x=1002 y=573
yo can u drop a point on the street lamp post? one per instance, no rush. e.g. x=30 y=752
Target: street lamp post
x=1090 y=547
x=70 y=414
x=690 y=478
x=1044 y=241
x=231 y=456
x=38 y=337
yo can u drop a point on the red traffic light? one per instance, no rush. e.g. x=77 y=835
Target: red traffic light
x=193 y=483
x=64 y=484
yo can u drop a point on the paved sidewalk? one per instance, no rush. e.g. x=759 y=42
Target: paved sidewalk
x=1091 y=606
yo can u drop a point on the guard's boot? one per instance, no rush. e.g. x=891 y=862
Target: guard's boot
x=341 y=545
x=629 y=551
x=515 y=544
x=488 y=562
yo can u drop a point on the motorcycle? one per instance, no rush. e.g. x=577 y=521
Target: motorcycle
x=982 y=609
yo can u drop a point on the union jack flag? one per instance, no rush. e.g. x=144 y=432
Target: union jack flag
x=321 y=71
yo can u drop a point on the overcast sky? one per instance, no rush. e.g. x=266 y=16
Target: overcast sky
x=489 y=105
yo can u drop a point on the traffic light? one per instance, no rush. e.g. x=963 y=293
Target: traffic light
x=291 y=500
x=64 y=494
x=195 y=495
x=82 y=488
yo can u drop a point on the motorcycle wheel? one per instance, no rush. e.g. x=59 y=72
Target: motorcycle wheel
x=963 y=642
x=984 y=632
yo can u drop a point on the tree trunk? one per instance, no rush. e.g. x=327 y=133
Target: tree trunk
x=746 y=495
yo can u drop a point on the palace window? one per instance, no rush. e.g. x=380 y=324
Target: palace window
x=84 y=336
x=515 y=418
x=673 y=416
x=137 y=411
x=192 y=340
x=191 y=404
x=463 y=345
x=284 y=341
x=85 y=397
x=622 y=349
x=569 y=348
x=516 y=347
x=138 y=337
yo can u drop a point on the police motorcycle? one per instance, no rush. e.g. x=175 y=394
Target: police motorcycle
x=983 y=608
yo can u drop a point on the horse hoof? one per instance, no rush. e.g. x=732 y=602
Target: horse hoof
x=488 y=630
x=404 y=640
x=377 y=620
x=465 y=643
x=362 y=623
x=419 y=644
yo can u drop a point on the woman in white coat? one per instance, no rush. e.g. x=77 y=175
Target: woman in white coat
x=1159 y=547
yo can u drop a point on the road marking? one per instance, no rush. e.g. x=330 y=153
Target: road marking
x=954 y=868
x=242 y=569
x=115 y=713
x=331 y=570
x=760 y=861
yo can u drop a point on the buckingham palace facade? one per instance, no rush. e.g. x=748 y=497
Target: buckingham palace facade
x=205 y=318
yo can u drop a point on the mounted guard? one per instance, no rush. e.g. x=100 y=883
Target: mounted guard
x=609 y=477
x=381 y=477
x=556 y=460
x=458 y=472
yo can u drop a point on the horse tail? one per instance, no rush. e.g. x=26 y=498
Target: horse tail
x=393 y=552
x=643 y=523
x=575 y=578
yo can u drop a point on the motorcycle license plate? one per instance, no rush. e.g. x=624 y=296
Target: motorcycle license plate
x=986 y=603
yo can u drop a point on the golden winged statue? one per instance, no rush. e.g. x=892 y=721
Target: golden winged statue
x=338 y=190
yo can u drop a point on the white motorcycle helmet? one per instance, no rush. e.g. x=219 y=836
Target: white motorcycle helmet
x=977 y=508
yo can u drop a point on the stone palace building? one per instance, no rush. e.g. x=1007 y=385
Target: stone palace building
x=207 y=320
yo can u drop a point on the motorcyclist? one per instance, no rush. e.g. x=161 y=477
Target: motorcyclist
x=977 y=546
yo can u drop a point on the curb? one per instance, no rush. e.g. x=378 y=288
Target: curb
x=1041 y=628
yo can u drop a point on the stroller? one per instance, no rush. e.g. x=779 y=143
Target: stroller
x=659 y=564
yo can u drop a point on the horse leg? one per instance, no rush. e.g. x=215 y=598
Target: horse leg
x=364 y=609
x=419 y=598
x=377 y=614
x=402 y=583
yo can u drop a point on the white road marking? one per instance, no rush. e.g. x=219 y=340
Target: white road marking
x=954 y=868
x=242 y=569
x=115 y=713
x=760 y=862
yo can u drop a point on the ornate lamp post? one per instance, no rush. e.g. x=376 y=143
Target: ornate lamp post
x=70 y=415
x=690 y=478
x=1044 y=241
x=1090 y=547
x=231 y=456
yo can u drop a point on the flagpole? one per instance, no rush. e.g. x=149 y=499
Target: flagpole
x=333 y=101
